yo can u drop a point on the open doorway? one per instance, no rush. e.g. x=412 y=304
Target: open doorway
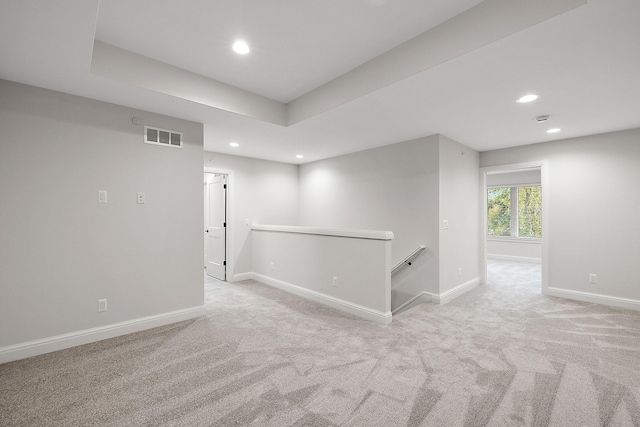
x=514 y=219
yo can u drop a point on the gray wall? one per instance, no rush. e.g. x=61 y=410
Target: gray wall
x=400 y=188
x=459 y=203
x=306 y=262
x=260 y=191
x=60 y=250
x=392 y=188
x=593 y=202
x=506 y=179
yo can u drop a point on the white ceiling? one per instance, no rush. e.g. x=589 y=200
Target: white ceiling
x=296 y=45
x=584 y=63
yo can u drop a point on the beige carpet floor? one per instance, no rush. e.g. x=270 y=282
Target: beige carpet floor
x=500 y=355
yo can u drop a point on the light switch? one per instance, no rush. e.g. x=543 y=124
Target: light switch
x=445 y=224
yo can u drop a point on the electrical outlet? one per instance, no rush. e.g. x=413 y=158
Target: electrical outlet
x=593 y=278
x=102 y=305
x=445 y=224
x=102 y=196
x=142 y=199
x=335 y=282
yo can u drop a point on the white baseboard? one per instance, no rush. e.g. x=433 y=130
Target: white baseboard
x=240 y=277
x=337 y=303
x=421 y=298
x=451 y=294
x=632 y=304
x=60 y=342
x=515 y=258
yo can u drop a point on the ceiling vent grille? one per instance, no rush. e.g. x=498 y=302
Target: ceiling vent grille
x=157 y=136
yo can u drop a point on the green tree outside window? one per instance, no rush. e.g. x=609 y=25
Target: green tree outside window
x=499 y=215
x=514 y=211
x=529 y=212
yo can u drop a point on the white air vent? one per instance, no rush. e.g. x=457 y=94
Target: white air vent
x=169 y=138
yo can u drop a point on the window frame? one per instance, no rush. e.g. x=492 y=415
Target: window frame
x=514 y=225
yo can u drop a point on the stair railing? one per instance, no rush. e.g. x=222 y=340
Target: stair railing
x=408 y=259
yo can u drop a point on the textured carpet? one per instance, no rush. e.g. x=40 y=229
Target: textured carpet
x=500 y=355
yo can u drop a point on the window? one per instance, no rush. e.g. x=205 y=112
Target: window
x=514 y=211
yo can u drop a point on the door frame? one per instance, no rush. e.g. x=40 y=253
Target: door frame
x=230 y=210
x=546 y=214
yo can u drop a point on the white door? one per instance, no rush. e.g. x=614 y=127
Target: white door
x=215 y=218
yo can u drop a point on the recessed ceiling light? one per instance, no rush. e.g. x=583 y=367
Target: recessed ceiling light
x=241 y=47
x=527 y=98
x=234 y=144
x=299 y=156
x=554 y=130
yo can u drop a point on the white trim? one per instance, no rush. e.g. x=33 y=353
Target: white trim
x=240 y=277
x=531 y=184
x=422 y=298
x=629 y=303
x=513 y=167
x=339 y=232
x=545 y=183
x=509 y=239
x=451 y=294
x=515 y=258
x=337 y=303
x=86 y=336
x=448 y=296
x=230 y=216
